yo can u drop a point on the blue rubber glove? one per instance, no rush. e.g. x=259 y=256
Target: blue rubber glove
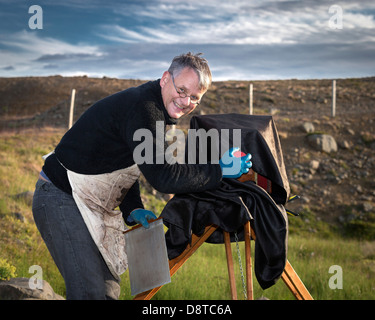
x=142 y=216
x=234 y=167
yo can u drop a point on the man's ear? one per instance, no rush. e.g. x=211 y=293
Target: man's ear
x=164 y=79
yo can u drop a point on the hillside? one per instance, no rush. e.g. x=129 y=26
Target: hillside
x=336 y=187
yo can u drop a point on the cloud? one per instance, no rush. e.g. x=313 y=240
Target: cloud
x=238 y=22
x=28 y=41
x=120 y=34
x=27 y=51
x=66 y=56
x=258 y=39
x=8 y=68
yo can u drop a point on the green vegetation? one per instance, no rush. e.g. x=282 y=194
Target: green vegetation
x=7 y=271
x=314 y=246
x=20 y=242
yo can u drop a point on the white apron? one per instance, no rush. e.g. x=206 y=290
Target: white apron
x=96 y=197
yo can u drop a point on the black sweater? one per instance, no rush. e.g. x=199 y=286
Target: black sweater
x=101 y=141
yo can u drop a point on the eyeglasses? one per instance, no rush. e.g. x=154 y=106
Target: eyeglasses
x=183 y=94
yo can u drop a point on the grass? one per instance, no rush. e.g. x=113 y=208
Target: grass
x=205 y=276
x=313 y=246
x=20 y=242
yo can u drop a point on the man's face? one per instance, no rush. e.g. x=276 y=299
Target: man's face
x=186 y=82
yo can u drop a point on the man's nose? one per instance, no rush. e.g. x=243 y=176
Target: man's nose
x=186 y=101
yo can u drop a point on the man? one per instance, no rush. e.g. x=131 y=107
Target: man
x=92 y=171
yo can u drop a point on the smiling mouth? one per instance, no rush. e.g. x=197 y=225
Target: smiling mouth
x=178 y=106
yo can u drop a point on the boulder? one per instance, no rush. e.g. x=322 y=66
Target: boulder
x=322 y=142
x=19 y=289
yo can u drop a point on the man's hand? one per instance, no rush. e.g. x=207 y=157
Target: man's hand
x=142 y=216
x=234 y=167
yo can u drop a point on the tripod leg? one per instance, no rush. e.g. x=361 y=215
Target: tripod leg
x=228 y=251
x=294 y=283
x=249 y=276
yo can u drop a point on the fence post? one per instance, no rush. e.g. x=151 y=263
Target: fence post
x=333 y=98
x=251 y=98
x=72 y=108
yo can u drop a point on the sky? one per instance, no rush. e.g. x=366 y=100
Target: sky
x=241 y=39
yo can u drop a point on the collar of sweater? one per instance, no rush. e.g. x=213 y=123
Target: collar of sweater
x=168 y=119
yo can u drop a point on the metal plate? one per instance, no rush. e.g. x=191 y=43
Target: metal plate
x=147 y=257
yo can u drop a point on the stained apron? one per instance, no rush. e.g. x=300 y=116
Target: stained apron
x=97 y=196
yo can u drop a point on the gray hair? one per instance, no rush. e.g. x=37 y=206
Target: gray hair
x=195 y=62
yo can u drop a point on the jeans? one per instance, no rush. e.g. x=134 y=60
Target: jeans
x=59 y=221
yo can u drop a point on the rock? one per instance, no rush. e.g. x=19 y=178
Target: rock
x=367 y=137
x=273 y=111
x=308 y=127
x=19 y=216
x=322 y=100
x=294 y=188
x=314 y=164
x=26 y=196
x=19 y=289
x=344 y=144
x=367 y=207
x=358 y=189
x=283 y=135
x=350 y=131
x=322 y=142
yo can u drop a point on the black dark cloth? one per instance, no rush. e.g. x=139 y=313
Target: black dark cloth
x=260 y=138
x=229 y=207
x=101 y=141
x=233 y=203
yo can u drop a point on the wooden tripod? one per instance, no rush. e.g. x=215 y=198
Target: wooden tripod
x=289 y=276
